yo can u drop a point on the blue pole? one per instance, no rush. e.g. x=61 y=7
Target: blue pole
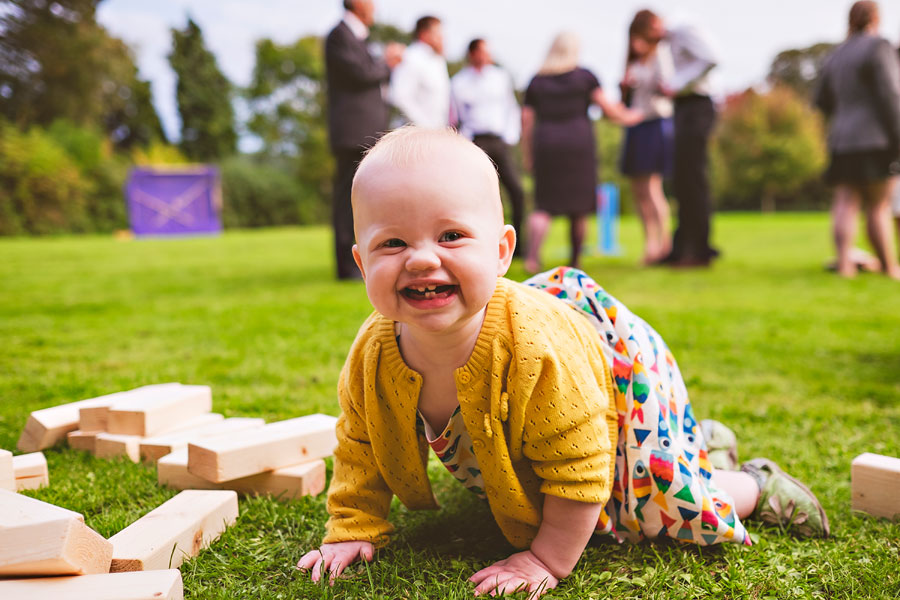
x=608 y=219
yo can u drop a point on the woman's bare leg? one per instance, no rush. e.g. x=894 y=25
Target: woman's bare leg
x=844 y=210
x=661 y=216
x=878 y=226
x=538 y=224
x=640 y=188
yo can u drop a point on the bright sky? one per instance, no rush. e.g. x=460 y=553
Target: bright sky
x=748 y=34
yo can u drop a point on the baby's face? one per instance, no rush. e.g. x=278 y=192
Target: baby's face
x=430 y=240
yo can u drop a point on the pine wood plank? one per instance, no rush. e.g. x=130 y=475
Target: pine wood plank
x=83 y=440
x=111 y=445
x=30 y=465
x=138 y=585
x=154 y=448
x=156 y=411
x=176 y=530
x=31 y=471
x=47 y=426
x=274 y=446
x=93 y=418
x=287 y=483
x=37 y=538
x=875 y=485
x=7 y=473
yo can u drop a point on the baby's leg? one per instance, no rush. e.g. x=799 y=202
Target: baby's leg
x=741 y=487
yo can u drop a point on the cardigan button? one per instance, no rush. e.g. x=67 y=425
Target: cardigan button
x=476 y=443
x=465 y=377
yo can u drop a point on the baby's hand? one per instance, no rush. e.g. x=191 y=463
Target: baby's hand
x=522 y=571
x=334 y=558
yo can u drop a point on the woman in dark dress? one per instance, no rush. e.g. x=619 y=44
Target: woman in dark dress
x=558 y=144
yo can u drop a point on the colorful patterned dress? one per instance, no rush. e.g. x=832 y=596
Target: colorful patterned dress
x=663 y=479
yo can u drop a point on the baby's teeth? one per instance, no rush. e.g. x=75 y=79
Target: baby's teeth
x=421 y=288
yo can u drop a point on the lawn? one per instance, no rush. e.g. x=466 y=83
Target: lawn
x=805 y=367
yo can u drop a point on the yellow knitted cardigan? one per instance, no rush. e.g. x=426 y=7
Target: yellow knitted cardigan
x=536 y=397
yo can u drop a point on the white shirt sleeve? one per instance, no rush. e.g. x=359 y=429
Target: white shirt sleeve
x=694 y=56
x=513 y=129
x=404 y=87
x=420 y=87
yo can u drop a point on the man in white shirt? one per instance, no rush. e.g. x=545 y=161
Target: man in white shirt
x=485 y=110
x=420 y=85
x=693 y=58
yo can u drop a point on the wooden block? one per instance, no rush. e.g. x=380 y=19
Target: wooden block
x=37 y=538
x=139 y=585
x=93 y=418
x=274 y=446
x=154 y=448
x=875 y=484
x=152 y=412
x=174 y=531
x=111 y=445
x=47 y=426
x=7 y=473
x=287 y=483
x=31 y=471
x=30 y=465
x=82 y=440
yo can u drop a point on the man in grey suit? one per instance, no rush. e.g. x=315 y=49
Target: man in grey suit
x=357 y=113
x=859 y=91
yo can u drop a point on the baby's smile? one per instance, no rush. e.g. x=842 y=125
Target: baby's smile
x=428 y=292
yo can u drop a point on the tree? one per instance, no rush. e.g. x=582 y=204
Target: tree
x=799 y=69
x=204 y=97
x=286 y=99
x=767 y=147
x=56 y=62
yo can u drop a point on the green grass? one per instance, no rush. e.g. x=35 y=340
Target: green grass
x=804 y=366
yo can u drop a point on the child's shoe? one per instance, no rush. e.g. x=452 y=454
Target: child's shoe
x=785 y=502
x=721 y=445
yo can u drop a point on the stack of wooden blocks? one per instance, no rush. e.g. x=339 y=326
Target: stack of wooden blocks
x=64 y=558
x=23 y=472
x=171 y=424
x=209 y=457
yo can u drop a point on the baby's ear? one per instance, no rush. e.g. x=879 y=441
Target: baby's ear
x=358 y=259
x=506 y=249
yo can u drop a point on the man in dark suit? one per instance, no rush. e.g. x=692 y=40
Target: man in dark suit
x=357 y=113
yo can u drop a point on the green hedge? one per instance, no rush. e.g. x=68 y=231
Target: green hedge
x=261 y=195
x=41 y=187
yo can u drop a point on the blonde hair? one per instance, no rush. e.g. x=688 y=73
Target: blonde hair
x=411 y=145
x=563 y=54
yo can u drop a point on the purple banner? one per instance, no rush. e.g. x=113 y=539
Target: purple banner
x=174 y=201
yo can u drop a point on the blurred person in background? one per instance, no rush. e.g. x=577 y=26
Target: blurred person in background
x=357 y=113
x=484 y=109
x=693 y=58
x=859 y=92
x=558 y=144
x=420 y=85
x=647 y=150
x=895 y=203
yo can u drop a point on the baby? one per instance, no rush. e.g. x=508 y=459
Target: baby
x=569 y=422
